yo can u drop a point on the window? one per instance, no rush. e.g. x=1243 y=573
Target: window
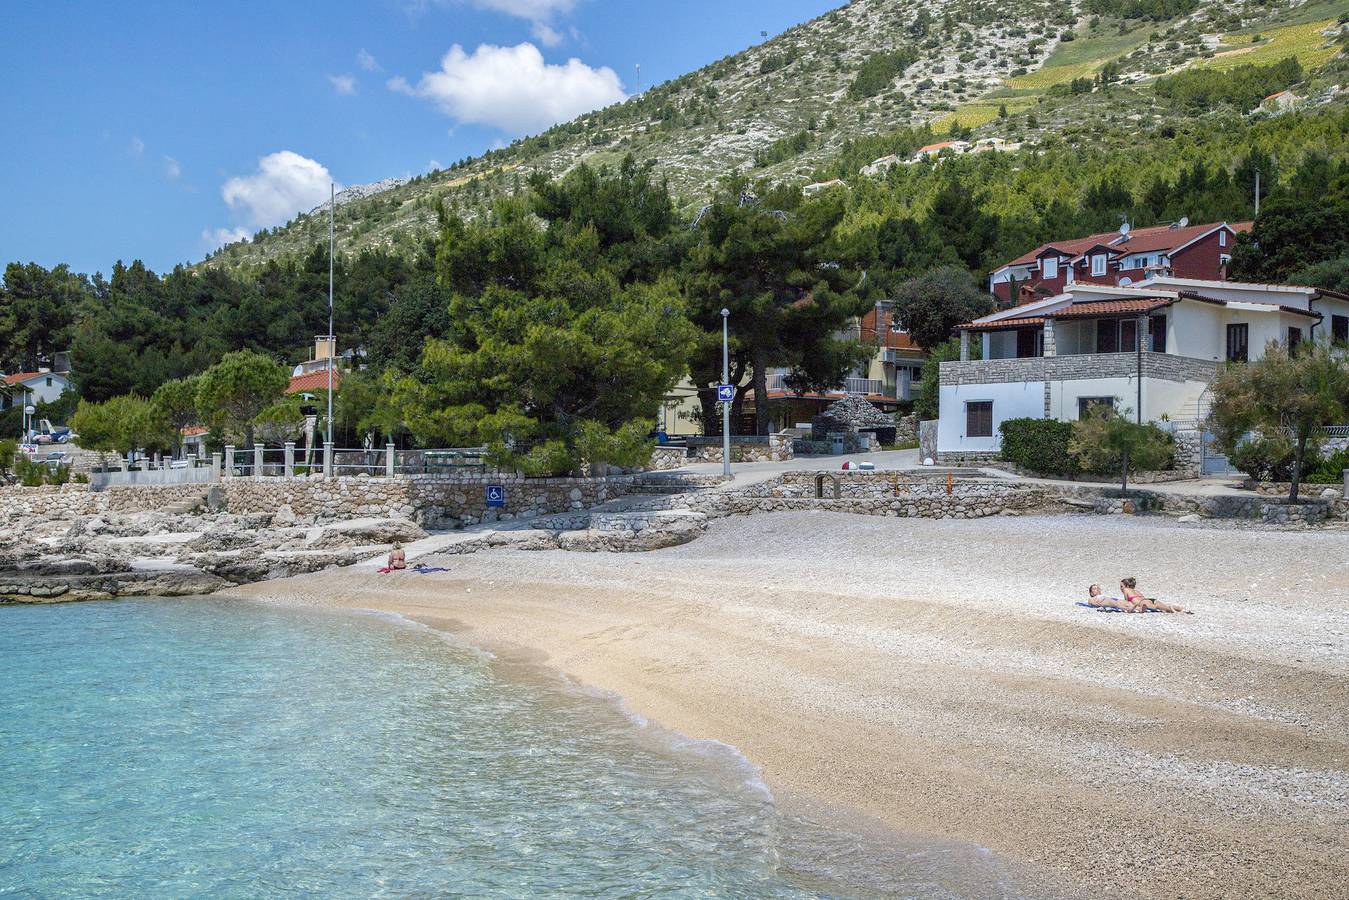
x=1294 y=338
x=1157 y=328
x=1238 y=343
x=1339 y=329
x=979 y=418
x=1051 y=267
x=1128 y=335
x=1222 y=238
x=49 y=381
x=1107 y=336
x=1029 y=342
x=1098 y=264
x=1085 y=405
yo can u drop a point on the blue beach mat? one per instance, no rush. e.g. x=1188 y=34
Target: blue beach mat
x=427 y=570
x=1109 y=608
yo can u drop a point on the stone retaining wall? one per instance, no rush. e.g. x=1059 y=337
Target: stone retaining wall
x=663 y=459
x=773 y=448
x=437 y=501
x=72 y=500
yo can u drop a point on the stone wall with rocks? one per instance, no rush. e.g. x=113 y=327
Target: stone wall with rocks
x=434 y=500
x=906 y=429
x=663 y=459
x=72 y=500
x=744 y=448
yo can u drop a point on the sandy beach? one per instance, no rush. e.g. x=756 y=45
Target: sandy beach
x=937 y=677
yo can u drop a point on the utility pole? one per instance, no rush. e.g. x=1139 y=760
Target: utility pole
x=1257 y=191
x=726 y=404
x=332 y=340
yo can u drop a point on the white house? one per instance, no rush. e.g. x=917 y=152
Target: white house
x=33 y=387
x=1059 y=356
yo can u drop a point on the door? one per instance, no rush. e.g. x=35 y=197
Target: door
x=1238 y=343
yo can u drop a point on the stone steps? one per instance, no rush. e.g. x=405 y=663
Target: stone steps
x=183 y=507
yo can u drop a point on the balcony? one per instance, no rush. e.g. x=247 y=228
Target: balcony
x=853 y=387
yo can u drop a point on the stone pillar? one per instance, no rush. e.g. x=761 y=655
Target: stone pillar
x=964 y=346
x=257 y=462
x=327 y=459
x=217 y=466
x=289 y=470
x=1051 y=347
x=229 y=461
x=389 y=460
x=1346 y=484
x=192 y=460
x=1145 y=333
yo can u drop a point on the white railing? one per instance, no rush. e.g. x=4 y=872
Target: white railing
x=851 y=386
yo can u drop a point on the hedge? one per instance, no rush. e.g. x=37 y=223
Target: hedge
x=1039 y=446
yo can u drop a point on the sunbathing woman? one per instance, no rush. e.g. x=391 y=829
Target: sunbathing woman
x=1132 y=595
x=397 y=558
x=1094 y=598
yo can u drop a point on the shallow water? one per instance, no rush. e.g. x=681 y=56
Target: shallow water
x=205 y=747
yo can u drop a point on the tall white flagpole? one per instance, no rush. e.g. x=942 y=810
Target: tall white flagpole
x=332 y=339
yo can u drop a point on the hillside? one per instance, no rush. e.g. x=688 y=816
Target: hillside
x=829 y=96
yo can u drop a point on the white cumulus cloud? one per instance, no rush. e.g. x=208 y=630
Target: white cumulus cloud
x=533 y=10
x=343 y=84
x=513 y=88
x=367 y=61
x=215 y=238
x=172 y=168
x=284 y=184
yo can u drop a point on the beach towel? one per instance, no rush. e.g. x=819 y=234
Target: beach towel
x=427 y=570
x=1110 y=608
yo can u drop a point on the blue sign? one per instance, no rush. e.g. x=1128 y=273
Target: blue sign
x=725 y=393
x=496 y=496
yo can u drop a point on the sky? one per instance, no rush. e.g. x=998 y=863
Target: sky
x=159 y=130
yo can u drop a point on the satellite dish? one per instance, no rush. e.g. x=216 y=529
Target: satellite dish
x=1184 y=221
x=1125 y=228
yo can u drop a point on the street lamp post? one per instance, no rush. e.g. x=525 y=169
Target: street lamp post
x=726 y=404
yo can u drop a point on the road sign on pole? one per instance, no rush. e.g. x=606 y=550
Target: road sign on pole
x=726 y=393
x=496 y=496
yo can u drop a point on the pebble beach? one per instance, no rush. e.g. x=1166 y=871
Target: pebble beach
x=937 y=678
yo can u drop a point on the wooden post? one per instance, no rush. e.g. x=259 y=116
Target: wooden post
x=290 y=459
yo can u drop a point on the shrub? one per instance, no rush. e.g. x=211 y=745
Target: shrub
x=1266 y=458
x=1108 y=442
x=1331 y=469
x=1039 y=446
x=7 y=450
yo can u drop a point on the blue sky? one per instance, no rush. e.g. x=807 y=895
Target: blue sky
x=151 y=130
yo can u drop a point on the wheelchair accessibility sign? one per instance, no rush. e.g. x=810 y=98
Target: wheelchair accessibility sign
x=496 y=496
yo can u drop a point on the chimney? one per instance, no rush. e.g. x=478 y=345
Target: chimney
x=323 y=348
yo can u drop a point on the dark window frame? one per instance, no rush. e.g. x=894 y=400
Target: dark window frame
x=1239 y=342
x=1157 y=330
x=976 y=413
x=1339 y=329
x=1086 y=404
x=1295 y=337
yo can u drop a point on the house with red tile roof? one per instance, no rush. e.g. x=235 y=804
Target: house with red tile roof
x=1119 y=258
x=1150 y=348
x=313 y=382
x=33 y=387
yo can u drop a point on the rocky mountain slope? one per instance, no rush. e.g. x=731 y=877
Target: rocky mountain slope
x=792 y=107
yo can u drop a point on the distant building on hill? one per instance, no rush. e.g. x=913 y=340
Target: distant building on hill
x=1280 y=102
x=1118 y=258
x=42 y=386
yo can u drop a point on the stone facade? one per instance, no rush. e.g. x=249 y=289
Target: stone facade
x=1164 y=366
x=663 y=459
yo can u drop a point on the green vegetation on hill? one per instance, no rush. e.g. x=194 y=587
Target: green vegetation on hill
x=1242 y=87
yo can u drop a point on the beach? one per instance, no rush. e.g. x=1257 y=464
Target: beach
x=936 y=677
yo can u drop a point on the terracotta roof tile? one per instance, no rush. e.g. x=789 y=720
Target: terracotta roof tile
x=312 y=382
x=1003 y=324
x=1141 y=240
x=23 y=376
x=1096 y=308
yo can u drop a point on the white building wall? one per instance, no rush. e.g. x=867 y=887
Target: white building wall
x=39 y=390
x=1175 y=400
x=1019 y=400
x=1197 y=330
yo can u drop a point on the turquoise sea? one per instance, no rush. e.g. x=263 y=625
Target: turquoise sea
x=179 y=748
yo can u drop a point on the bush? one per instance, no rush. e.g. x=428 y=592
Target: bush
x=1271 y=458
x=1039 y=446
x=1330 y=470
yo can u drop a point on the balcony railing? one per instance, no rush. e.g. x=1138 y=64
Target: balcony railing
x=851 y=386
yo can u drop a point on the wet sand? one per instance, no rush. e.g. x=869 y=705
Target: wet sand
x=937 y=677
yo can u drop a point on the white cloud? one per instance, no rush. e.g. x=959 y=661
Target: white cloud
x=512 y=88
x=285 y=183
x=343 y=84
x=137 y=147
x=366 y=61
x=534 y=10
x=215 y=238
x=547 y=34
x=172 y=168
